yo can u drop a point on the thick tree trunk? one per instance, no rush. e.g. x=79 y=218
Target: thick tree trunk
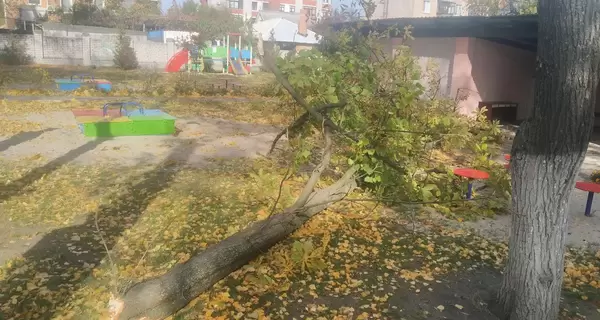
x=162 y=296
x=547 y=154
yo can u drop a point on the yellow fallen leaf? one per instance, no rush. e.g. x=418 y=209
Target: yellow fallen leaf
x=440 y=308
x=458 y=306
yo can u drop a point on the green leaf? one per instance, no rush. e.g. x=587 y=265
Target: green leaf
x=308 y=246
x=427 y=196
x=297 y=252
x=429 y=187
x=305 y=154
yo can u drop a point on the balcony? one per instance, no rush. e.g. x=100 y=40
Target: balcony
x=449 y=8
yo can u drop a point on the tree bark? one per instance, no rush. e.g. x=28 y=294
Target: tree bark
x=546 y=156
x=162 y=296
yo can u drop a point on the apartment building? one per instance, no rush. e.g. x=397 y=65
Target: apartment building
x=251 y=8
x=13 y=10
x=387 y=9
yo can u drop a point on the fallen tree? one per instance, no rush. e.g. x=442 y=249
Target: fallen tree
x=160 y=297
x=384 y=141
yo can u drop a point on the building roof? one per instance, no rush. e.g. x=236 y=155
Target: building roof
x=272 y=14
x=282 y=30
x=517 y=31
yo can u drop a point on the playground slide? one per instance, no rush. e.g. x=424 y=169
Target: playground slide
x=238 y=67
x=177 y=61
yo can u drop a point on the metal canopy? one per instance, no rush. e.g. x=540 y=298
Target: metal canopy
x=516 y=31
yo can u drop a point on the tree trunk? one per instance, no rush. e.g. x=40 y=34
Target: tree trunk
x=547 y=154
x=162 y=296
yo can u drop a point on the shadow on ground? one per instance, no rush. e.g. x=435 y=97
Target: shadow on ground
x=44 y=281
x=21 y=137
x=19 y=186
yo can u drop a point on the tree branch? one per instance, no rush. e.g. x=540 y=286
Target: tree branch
x=269 y=63
x=316 y=174
x=301 y=121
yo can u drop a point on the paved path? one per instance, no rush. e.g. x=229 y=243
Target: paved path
x=209 y=137
x=583 y=231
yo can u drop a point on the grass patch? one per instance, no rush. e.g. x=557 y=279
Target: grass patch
x=23 y=73
x=39 y=80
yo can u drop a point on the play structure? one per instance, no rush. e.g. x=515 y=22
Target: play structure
x=83 y=80
x=178 y=60
x=231 y=58
x=116 y=119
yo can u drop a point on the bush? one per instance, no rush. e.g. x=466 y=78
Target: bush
x=183 y=84
x=14 y=53
x=125 y=57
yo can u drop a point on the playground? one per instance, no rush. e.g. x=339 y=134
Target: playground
x=232 y=58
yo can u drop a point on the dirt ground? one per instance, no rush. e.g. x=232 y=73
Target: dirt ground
x=211 y=138
x=465 y=295
x=61 y=142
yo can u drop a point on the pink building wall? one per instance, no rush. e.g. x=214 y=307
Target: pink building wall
x=438 y=50
x=481 y=71
x=488 y=71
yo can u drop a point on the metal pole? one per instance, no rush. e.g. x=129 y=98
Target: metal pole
x=588 y=205
x=469 y=190
x=250 y=59
x=227 y=58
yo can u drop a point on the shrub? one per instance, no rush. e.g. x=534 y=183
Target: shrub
x=183 y=84
x=14 y=53
x=125 y=57
x=40 y=78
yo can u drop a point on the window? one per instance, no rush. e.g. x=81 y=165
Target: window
x=254 y=5
x=265 y=6
x=292 y=9
x=457 y=10
x=235 y=4
x=35 y=2
x=311 y=11
x=426 y=6
x=282 y=8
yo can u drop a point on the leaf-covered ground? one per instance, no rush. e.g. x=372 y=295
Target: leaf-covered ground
x=355 y=261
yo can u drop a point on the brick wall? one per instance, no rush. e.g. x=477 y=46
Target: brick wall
x=90 y=49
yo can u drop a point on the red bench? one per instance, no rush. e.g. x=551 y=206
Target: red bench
x=471 y=174
x=591 y=188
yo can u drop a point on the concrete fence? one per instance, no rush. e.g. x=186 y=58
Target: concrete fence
x=58 y=47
